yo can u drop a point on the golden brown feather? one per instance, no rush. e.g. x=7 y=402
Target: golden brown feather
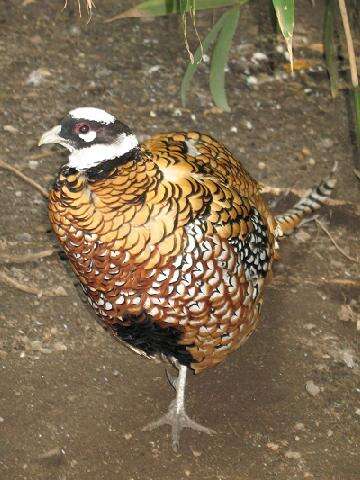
x=161 y=237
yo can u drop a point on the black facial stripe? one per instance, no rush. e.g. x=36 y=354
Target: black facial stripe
x=105 y=133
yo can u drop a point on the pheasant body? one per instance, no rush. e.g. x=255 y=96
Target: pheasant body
x=172 y=247
x=171 y=241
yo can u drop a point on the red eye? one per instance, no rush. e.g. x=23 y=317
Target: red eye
x=82 y=128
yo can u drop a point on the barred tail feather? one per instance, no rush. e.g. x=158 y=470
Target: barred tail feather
x=290 y=220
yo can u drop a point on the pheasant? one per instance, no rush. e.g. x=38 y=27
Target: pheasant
x=171 y=240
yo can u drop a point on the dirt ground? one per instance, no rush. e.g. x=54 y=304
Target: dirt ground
x=72 y=400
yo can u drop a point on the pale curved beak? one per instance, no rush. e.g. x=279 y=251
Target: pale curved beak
x=52 y=136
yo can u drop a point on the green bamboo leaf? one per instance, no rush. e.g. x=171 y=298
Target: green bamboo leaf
x=285 y=13
x=331 y=56
x=220 y=58
x=191 y=68
x=156 y=8
x=356 y=92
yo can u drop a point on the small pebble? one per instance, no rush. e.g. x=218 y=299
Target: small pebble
x=35 y=40
x=18 y=193
x=35 y=345
x=59 y=347
x=1 y=419
x=299 y=426
x=128 y=436
x=154 y=68
x=327 y=142
x=37 y=77
x=247 y=124
x=177 y=112
x=102 y=72
x=357 y=411
x=345 y=313
x=233 y=129
x=46 y=351
x=206 y=58
x=302 y=236
x=309 y=326
x=196 y=453
x=33 y=164
x=60 y=291
x=261 y=165
x=259 y=57
x=312 y=388
x=92 y=85
x=74 y=30
x=311 y=161
x=10 y=129
x=272 y=446
x=152 y=113
x=38 y=200
x=348 y=359
x=251 y=80
x=23 y=237
x=280 y=75
x=52 y=454
x=293 y=455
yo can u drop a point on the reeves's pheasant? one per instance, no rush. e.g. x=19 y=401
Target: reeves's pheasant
x=171 y=240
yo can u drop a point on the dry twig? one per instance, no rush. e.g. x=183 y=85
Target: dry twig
x=342 y=251
x=28 y=257
x=11 y=282
x=26 y=179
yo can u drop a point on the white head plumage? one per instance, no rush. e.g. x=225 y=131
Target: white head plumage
x=92 y=114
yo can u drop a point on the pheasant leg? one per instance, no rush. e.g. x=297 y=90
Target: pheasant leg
x=176 y=415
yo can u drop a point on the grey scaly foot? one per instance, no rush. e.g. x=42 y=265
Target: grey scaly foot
x=176 y=416
x=177 y=421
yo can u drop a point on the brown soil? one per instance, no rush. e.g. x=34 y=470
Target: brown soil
x=72 y=400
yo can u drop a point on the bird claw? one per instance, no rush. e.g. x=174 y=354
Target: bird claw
x=177 y=421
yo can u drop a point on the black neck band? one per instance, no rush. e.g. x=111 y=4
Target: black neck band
x=106 y=167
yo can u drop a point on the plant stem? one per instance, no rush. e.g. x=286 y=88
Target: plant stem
x=350 y=44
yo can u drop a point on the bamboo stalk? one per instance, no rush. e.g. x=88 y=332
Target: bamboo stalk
x=350 y=44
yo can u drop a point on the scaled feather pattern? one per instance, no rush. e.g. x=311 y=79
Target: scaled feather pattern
x=172 y=247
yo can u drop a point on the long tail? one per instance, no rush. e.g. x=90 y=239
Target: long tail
x=290 y=220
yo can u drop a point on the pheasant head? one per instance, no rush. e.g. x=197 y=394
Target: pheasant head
x=92 y=137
